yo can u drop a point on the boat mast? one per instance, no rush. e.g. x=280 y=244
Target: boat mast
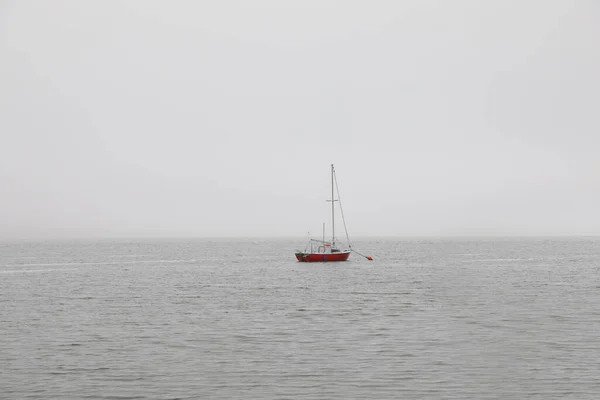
x=332 y=209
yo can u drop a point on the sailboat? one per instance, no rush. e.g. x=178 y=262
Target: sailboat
x=327 y=251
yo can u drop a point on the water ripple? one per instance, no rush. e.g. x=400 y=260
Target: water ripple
x=431 y=319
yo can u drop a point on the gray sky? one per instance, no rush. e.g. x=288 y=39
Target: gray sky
x=221 y=118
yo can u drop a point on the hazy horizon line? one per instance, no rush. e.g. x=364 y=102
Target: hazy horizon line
x=287 y=237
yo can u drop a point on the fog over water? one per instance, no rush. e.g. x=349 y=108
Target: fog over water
x=195 y=119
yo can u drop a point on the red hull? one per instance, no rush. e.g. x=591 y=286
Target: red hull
x=322 y=257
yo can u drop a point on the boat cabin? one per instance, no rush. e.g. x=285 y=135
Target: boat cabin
x=327 y=249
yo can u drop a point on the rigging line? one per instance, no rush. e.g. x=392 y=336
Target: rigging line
x=341 y=209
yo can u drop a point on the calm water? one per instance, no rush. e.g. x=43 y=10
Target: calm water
x=202 y=319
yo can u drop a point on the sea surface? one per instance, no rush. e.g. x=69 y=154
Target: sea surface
x=508 y=318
